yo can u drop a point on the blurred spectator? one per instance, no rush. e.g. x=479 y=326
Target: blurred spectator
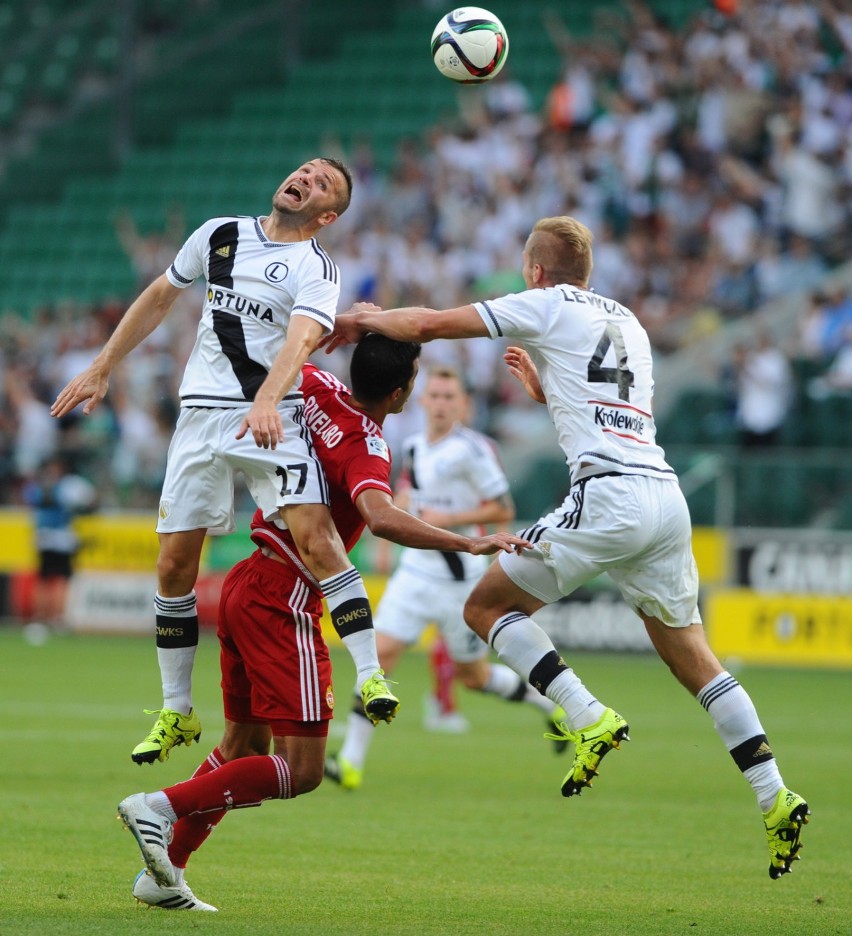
x=150 y=253
x=36 y=436
x=764 y=383
x=797 y=269
x=56 y=495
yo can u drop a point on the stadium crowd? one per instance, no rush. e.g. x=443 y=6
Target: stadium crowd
x=712 y=161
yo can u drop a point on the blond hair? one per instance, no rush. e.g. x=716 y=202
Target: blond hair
x=445 y=372
x=562 y=247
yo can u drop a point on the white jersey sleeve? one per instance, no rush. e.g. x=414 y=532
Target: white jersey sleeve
x=191 y=261
x=317 y=289
x=594 y=361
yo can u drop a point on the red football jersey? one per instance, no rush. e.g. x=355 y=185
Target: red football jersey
x=353 y=453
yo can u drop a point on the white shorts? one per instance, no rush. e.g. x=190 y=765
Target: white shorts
x=636 y=528
x=411 y=602
x=204 y=455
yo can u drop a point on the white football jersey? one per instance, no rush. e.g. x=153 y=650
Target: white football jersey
x=594 y=362
x=254 y=286
x=455 y=473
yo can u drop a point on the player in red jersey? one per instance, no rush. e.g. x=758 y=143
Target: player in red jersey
x=276 y=672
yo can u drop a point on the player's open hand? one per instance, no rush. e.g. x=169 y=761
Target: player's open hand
x=521 y=367
x=498 y=542
x=264 y=422
x=91 y=385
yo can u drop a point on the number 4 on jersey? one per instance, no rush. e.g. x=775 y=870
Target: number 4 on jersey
x=620 y=375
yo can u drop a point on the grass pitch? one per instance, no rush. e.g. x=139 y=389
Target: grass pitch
x=449 y=835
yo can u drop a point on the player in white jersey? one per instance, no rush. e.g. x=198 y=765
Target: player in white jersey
x=452 y=478
x=271 y=294
x=589 y=360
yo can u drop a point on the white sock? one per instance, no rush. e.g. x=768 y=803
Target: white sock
x=352 y=618
x=356 y=744
x=503 y=681
x=539 y=701
x=506 y=683
x=177 y=642
x=362 y=647
x=161 y=805
x=179 y=876
x=521 y=643
x=738 y=725
x=581 y=707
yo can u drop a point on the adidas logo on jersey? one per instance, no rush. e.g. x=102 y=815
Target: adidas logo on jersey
x=224 y=251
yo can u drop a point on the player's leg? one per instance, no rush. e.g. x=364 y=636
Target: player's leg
x=469 y=654
x=441 y=713
x=274 y=666
x=500 y=610
x=497 y=679
x=662 y=586
x=687 y=654
x=197 y=495
x=349 y=607
x=346 y=768
x=290 y=480
x=177 y=642
x=192 y=831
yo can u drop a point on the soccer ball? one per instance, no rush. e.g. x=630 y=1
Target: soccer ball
x=469 y=45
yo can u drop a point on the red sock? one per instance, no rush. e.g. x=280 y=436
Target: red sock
x=191 y=832
x=247 y=781
x=443 y=674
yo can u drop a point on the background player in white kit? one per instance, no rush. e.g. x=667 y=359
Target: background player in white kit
x=625 y=513
x=451 y=478
x=272 y=293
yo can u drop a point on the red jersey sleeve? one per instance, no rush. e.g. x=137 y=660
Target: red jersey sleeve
x=350 y=445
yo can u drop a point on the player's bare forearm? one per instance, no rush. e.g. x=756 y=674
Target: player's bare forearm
x=144 y=315
x=263 y=419
x=415 y=323
x=386 y=520
x=301 y=343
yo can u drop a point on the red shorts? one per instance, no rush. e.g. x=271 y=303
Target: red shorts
x=275 y=664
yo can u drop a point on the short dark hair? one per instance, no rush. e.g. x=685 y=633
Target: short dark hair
x=346 y=172
x=381 y=365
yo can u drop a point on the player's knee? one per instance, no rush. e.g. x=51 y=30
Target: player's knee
x=470 y=677
x=235 y=748
x=320 y=547
x=176 y=573
x=306 y=777
x=475 y=616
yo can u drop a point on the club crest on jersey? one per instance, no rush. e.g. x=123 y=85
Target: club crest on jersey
x=329 y=697
x=229 y=301
x=276 y=272
x=376 y=445
x=164 y=510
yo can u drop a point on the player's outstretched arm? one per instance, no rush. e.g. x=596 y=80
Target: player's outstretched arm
x=144 y=315
x=410 y=324
x=492 y=511
x=386 y=520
